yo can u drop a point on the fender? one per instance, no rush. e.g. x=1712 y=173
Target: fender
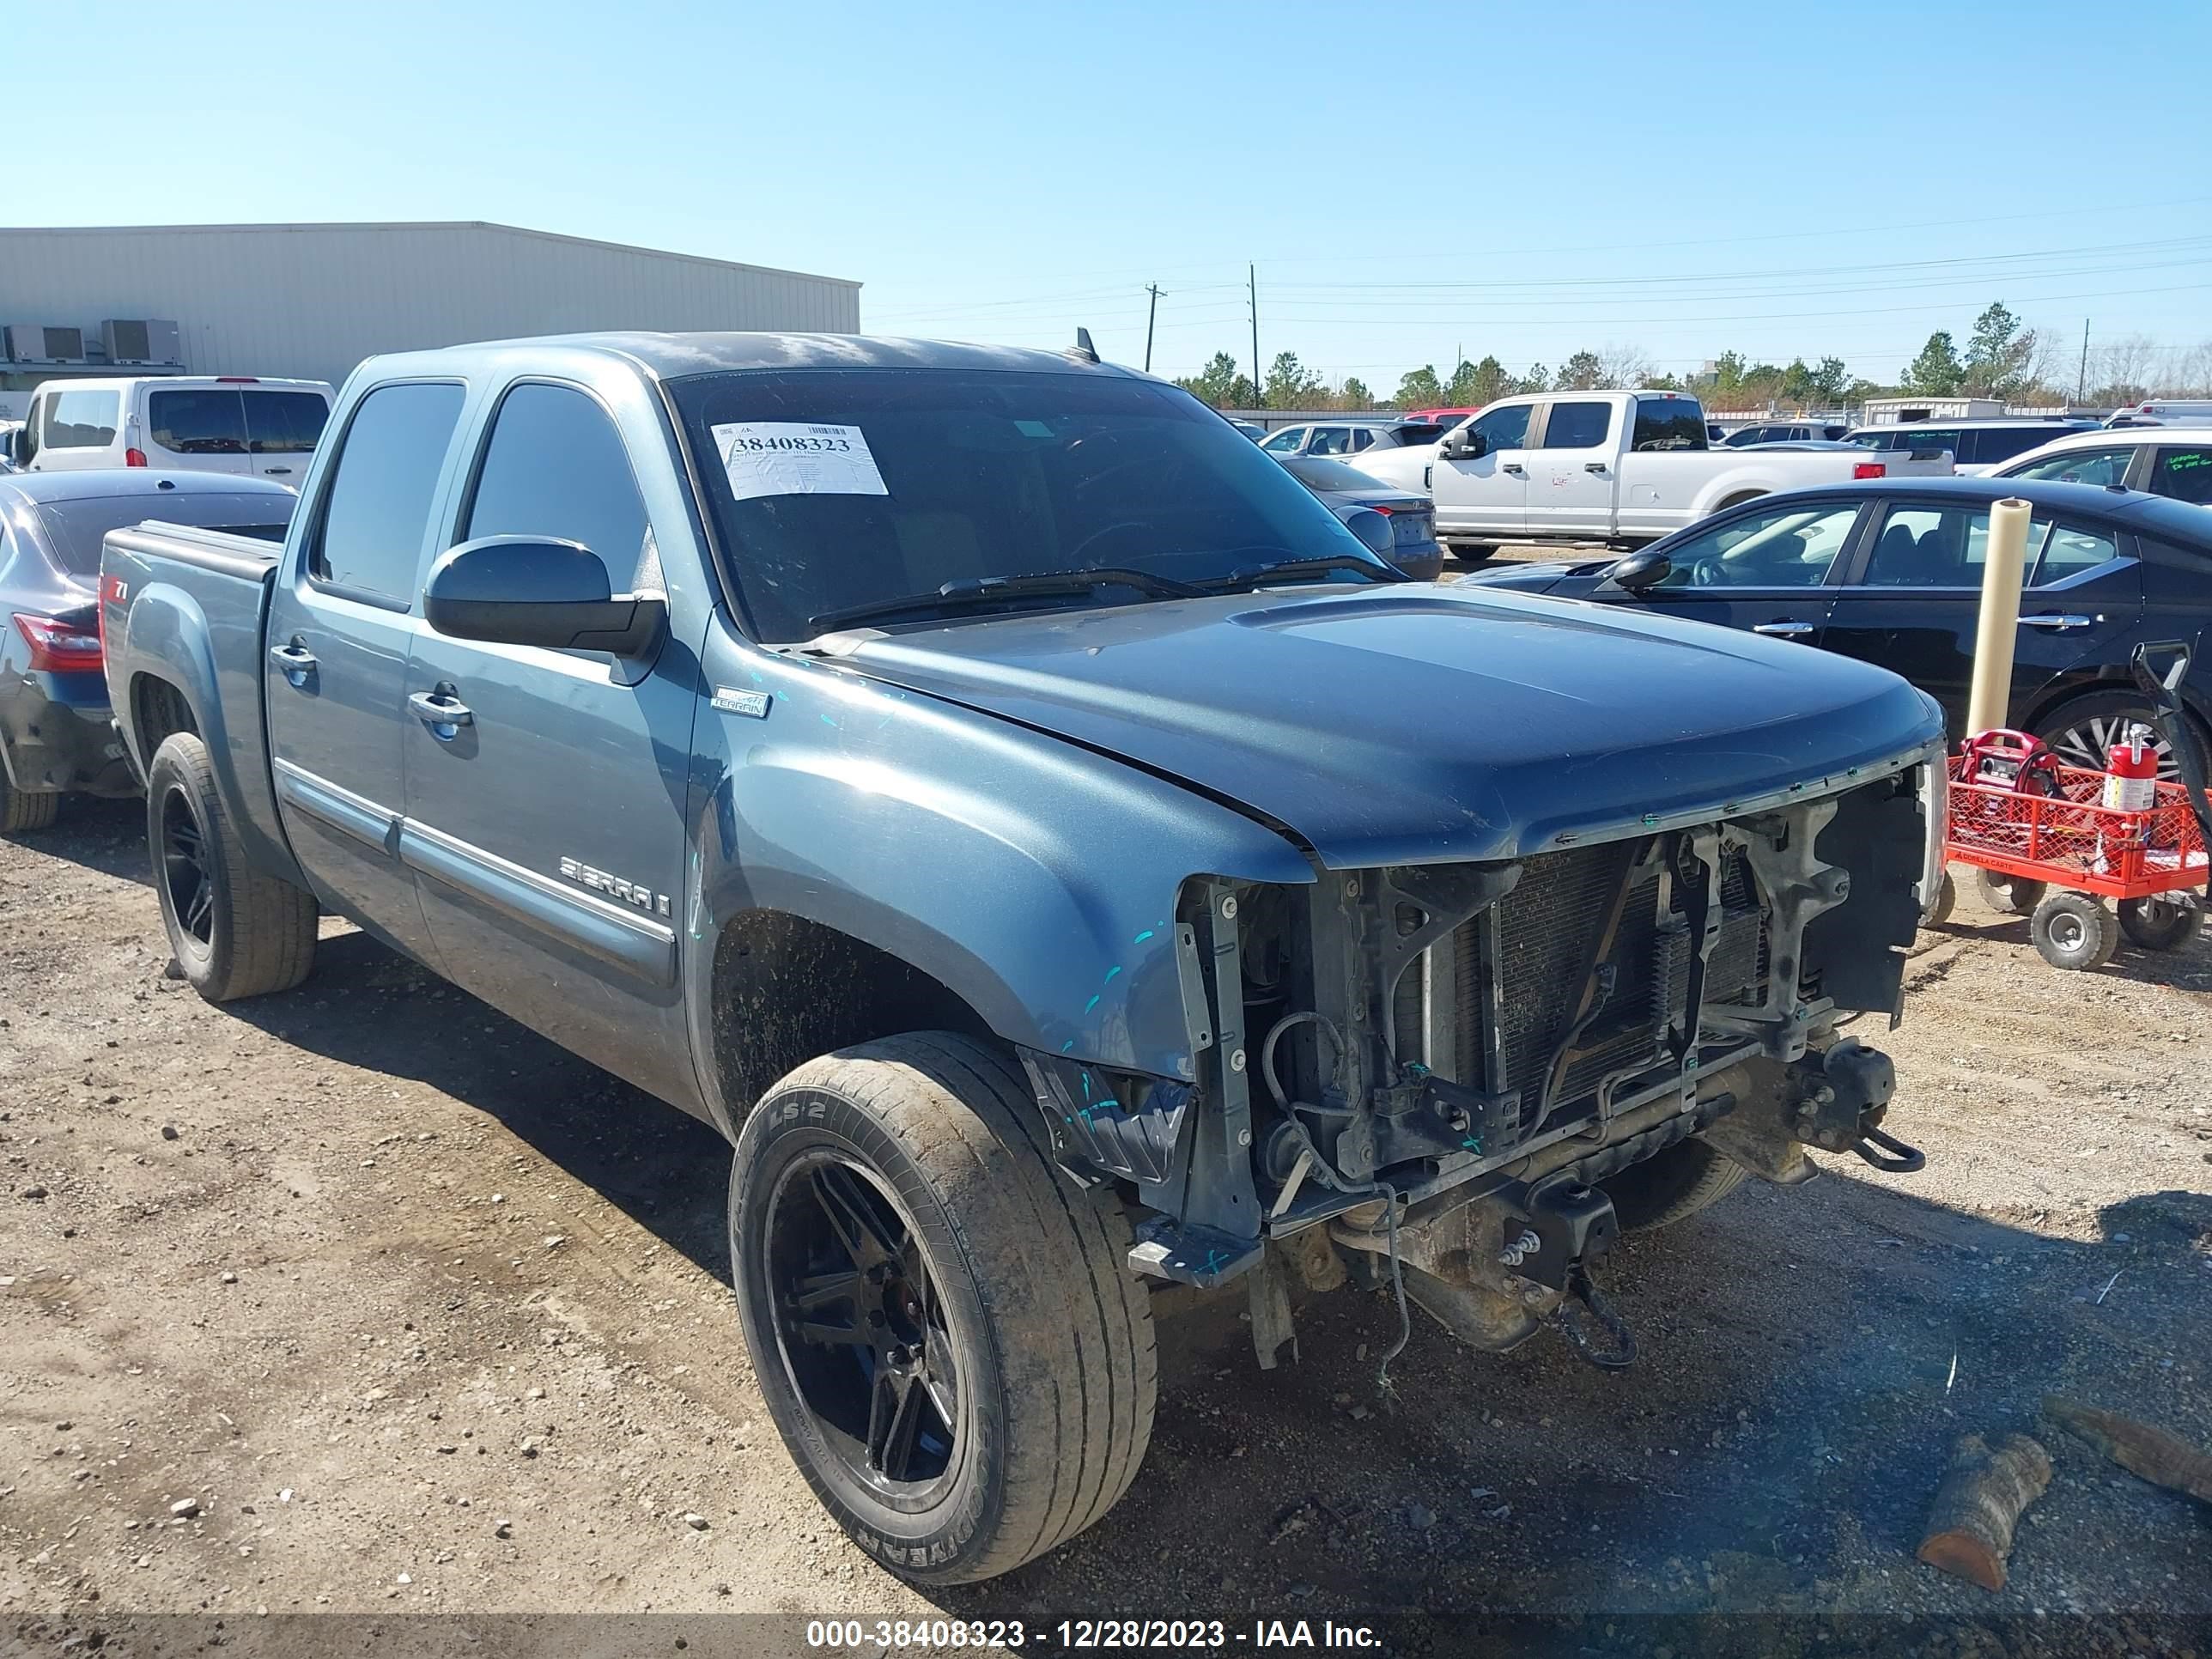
x=167 y=636
x=1034 y=878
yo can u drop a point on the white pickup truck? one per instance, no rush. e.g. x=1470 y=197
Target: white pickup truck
x=1601 y=466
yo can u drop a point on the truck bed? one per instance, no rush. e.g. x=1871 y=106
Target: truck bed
x=186 y=606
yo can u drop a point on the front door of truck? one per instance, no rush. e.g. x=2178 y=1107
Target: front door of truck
x=1570 y=473
x=546 y=788
x=1486 y=494
x=1763 y=569
x=340 y=622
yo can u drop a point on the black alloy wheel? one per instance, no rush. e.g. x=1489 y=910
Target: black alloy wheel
x=184 y=871
x=2084 y=732
x=861 y=1326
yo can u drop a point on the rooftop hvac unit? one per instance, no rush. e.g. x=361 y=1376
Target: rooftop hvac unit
x=31 y=342
x=141 y=340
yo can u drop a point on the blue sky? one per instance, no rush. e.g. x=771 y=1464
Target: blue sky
x=1412 y=180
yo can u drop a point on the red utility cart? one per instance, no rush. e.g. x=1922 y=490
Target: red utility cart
x=2050 y=848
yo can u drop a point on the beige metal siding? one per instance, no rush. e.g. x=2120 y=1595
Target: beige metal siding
x=314 y=300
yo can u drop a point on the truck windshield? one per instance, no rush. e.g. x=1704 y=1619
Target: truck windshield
x=75 y=526
x=835 y=489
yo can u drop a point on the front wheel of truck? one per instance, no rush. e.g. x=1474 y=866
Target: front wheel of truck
x=1673 y=1183
x=943 y=1327
x=233 y=931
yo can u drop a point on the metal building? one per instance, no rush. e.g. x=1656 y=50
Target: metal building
x=312 y=300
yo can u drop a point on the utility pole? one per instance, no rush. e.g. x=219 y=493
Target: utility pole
x=2081 y=388
x=1154 y=290
x=1259 y=386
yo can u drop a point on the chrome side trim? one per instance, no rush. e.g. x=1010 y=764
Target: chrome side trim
x=353 y=815
x=612 y=933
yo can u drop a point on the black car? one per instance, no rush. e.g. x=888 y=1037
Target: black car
x=55 y=733
x=1890 y=571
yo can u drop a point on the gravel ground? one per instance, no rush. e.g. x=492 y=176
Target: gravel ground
x=365 y=1300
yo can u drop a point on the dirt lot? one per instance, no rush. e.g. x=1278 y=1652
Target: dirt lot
x=426 y=1317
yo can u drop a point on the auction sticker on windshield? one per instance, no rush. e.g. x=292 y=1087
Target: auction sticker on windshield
x=796 y=457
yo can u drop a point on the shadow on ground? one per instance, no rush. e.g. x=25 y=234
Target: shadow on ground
x=106 y=835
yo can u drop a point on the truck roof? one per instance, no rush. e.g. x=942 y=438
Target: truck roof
x=667 y=357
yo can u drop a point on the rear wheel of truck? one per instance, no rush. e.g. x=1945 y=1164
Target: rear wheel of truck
x=21 y=809
x=944 y=1328
x=1681 y=1181
x=233 y=931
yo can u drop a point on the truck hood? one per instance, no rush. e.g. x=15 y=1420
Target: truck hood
x=1411 y=723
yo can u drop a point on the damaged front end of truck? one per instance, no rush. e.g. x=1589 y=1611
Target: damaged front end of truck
x=1425 y=1075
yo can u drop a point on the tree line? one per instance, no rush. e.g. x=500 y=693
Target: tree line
x=2001 y=358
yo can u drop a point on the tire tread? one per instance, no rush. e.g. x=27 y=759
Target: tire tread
x=1050 y=1262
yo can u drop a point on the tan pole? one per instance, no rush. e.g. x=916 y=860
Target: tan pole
x=1999 y=627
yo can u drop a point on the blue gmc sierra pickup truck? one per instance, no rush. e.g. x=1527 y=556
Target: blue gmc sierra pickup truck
x=1057 y=853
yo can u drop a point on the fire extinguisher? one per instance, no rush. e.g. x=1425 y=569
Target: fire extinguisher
x=2131 y=773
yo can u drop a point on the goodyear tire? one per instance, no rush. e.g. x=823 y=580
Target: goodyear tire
x=944 y=1328
x=1683 y=1179
x=234 y=932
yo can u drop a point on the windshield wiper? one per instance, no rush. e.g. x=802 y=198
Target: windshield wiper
x=1252 y=575
x=970 y=590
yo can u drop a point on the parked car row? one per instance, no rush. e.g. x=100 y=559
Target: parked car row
x=1889 y=571
x=1601 y=466
x=1975 y=446
x=1348 y=438
x=56 y=732
x=2174 y=461
x=240 y=425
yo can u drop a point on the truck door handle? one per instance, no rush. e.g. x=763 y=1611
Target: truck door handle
x=1785 y=629
x=294 y=660
x=1511 y=466
x=439 y=707
x=274 y=472
x=2056 y=623
x=1593 y=466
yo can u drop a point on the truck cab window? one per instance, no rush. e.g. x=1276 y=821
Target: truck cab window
x=379 y=506
x=1668 y=424
x=1506 y=428
x=1577 y=425
x=555 y=467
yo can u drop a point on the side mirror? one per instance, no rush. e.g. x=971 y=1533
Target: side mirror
x=19 y=445
x=1639 y=570
x=1374 y=530
x=1465 y=445
x=531 y=589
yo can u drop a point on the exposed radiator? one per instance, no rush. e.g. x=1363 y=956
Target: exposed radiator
x=1544 y=930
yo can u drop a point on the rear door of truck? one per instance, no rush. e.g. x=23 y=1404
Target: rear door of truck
x=341 y=622
x=1571 y=477
x=547 y=789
